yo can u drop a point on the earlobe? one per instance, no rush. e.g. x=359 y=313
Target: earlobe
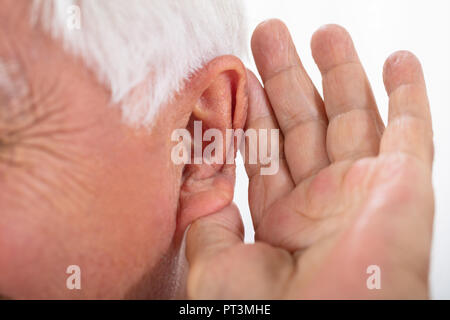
x=219 y=109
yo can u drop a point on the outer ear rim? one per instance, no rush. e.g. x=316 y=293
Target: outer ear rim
x=226 y=63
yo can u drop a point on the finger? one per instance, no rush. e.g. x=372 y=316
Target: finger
x=208 y=237
x=409 y=129
x=264 y=189
x=355 y=126
x=221 y=265
x=297 y=105
x=304 y=216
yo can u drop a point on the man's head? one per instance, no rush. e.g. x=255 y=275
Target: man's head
x=86 y=117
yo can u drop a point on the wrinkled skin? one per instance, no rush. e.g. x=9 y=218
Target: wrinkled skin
x=75 y=182
x=349 y=194
x=79 y=186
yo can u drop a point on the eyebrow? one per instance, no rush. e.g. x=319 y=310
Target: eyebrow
x=2 y=297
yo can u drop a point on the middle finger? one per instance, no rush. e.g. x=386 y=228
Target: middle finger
x=297 y=105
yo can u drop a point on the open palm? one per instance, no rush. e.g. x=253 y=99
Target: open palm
x=350 y=196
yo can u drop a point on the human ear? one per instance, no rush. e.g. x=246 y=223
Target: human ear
x=219 y=110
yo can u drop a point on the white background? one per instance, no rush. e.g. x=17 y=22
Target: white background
x=378 y=28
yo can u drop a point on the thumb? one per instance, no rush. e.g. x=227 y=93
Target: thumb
x=206 y=238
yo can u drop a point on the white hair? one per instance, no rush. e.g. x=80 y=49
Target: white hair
x=144 y=50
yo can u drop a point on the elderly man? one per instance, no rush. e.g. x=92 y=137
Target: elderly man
x=87 y=112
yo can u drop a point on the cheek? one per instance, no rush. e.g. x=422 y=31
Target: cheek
x=117 y=228
x=124 y=232
x=136 y=192
x=95 y=193
x=136 y=209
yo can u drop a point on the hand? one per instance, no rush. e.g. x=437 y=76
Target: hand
x=349 y=193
